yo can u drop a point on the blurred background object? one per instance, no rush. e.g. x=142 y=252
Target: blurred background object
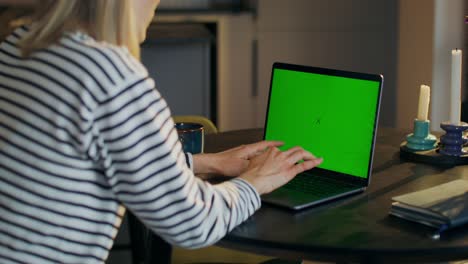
x=13 y=13
x=205 y=5
x=18 y=2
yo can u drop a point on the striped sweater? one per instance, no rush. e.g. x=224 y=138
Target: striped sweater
x=84 y=134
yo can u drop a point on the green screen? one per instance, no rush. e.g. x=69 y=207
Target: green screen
x=332 y=117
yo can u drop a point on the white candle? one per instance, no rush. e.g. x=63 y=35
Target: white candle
x=455 y=88
x=423 y=107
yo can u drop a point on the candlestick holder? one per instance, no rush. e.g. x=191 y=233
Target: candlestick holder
x=421 y=139
x=452 y=142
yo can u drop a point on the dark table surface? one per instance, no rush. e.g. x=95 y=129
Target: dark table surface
x=355 y=229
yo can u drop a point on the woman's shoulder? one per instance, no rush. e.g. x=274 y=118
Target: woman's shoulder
x=110 y=68
x=113 y=58
x=79 y=60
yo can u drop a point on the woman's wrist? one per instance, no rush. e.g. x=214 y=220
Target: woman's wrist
x=252 y=180
x=206 y=163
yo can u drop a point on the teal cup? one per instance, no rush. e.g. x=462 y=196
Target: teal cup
x=191 y=135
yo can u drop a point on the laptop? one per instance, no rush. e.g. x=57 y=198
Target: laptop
x=334 y=115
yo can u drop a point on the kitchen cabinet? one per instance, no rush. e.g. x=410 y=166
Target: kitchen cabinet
x=178 y=57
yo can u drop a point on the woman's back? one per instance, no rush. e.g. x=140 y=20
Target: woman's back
x=83 y=132
x=48 y=106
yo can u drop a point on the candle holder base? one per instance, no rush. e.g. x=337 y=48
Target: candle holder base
x=437 y=154
x=421 y=139
x=431 y=157
x=451 y=144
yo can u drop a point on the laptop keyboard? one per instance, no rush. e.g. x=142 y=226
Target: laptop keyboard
x=317 y=185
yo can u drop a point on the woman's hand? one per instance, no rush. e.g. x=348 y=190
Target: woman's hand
x=274 y=168
x=232 y=162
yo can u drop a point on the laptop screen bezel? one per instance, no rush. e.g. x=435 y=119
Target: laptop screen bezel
x=363 y=182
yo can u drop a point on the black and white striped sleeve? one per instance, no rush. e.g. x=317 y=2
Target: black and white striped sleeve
x=189 y=159
x=138 y=147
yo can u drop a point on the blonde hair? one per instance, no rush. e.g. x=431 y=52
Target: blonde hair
x=111 y=21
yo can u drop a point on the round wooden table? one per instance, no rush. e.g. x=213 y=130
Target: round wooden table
x=355 y=229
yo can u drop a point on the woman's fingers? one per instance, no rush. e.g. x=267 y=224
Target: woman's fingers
x=307 y=165
x=297 y=154
x=262 y=145
x=258 y=148
x=273 y=167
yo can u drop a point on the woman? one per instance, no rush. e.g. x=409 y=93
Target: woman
x=84 y=134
